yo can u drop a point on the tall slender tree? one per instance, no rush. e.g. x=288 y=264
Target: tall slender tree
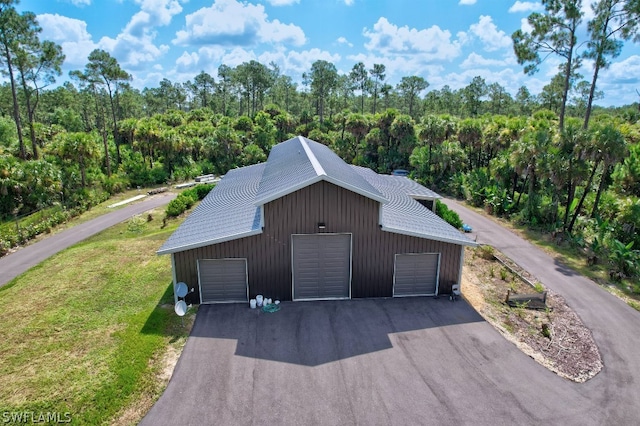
x=103 y=69
x=38 y=64
x=613 y=21
x=324 y=78
x=12 y=28
x=553 y=32
x=410 y=88
x=360 y=80
x=377 y=78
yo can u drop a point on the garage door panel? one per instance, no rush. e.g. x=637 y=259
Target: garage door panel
x=321 y=266
x=416 y=274
x=223 y=280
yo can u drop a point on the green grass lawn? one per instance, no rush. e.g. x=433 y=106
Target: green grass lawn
x=83 y=332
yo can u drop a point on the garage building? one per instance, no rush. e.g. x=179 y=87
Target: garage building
x=305 y=225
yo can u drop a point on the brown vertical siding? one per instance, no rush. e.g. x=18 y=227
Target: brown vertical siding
x=269 y=254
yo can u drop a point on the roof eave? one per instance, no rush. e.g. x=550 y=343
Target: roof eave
x=209 y=242
x=316 y=179
x=424 y=197
x=262 y=201
x=461 y=242
x=380 y=198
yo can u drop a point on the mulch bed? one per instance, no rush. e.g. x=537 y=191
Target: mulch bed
x=555 y=337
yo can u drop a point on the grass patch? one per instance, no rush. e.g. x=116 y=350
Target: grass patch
x=81 y=330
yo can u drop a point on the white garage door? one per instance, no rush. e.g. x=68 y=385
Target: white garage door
x=321 y=266
x=416 y=274
x=222 y=280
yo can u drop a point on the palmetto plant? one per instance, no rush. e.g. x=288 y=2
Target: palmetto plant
x=624 y=258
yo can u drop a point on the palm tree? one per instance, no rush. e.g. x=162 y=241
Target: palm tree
x=607 y=147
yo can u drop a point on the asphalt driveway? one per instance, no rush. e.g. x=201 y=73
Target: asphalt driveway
x=400 y=361
x=24 y=259
x=373 y=361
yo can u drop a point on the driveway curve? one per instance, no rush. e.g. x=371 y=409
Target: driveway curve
x=22 y=260
x=614 y=324
x=400 y=361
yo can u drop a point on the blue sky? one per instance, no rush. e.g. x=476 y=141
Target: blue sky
x=447 y=42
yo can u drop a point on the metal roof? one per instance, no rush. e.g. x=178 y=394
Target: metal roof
x=404 y=215
x=228 y=212
x=234 y=208
x=300 y=162
x=411 y=187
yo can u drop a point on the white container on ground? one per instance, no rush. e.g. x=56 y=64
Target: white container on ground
x=259 y=300
x=252 y=303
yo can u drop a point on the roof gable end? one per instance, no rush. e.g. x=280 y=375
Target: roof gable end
x=300 y=162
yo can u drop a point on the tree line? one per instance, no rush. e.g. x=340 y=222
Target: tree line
x=551 y=160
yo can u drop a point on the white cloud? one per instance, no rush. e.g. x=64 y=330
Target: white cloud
x=525 y=26
x=231 y=23
x=431 y=43
x=525 y=6
x=282 y=2
x=508 y=78
x=467 y=2
x=618 y=81
x=474 y=60
x=299 y=62
x=81 y=3
x=69 y=33
x=587 y=10
x=399 y=66
x=492 y=38
x=343 y=40
x=134 y=46
x=623 y=72
x=209 y=58
x=348 y=2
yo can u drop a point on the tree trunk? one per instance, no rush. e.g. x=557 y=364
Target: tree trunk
x=524 y=184
x=103 y=132
x=565 y=91
x=592 y=90
x=603 y=179
x=570 y=195
x=16 y=109
x=375 y=98
x=30 y=109
x=584 y=195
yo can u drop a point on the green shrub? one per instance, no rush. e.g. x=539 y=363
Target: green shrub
x=176 y=207
x=12 y=234
x=449 y=216
x=203 y=190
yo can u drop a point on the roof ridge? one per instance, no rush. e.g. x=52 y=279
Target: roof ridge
x=317 y=167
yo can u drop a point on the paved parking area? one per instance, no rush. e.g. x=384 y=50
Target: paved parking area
x=374 y=361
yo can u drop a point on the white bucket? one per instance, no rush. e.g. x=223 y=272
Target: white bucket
x=259 y=300
x=269 y=301
x=252 y=303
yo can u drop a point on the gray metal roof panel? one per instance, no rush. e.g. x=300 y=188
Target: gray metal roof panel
x=404 y=215
x=411 y=187
x=300 y=162
x=287 y=169
x=342 y=174
x=226 y=213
